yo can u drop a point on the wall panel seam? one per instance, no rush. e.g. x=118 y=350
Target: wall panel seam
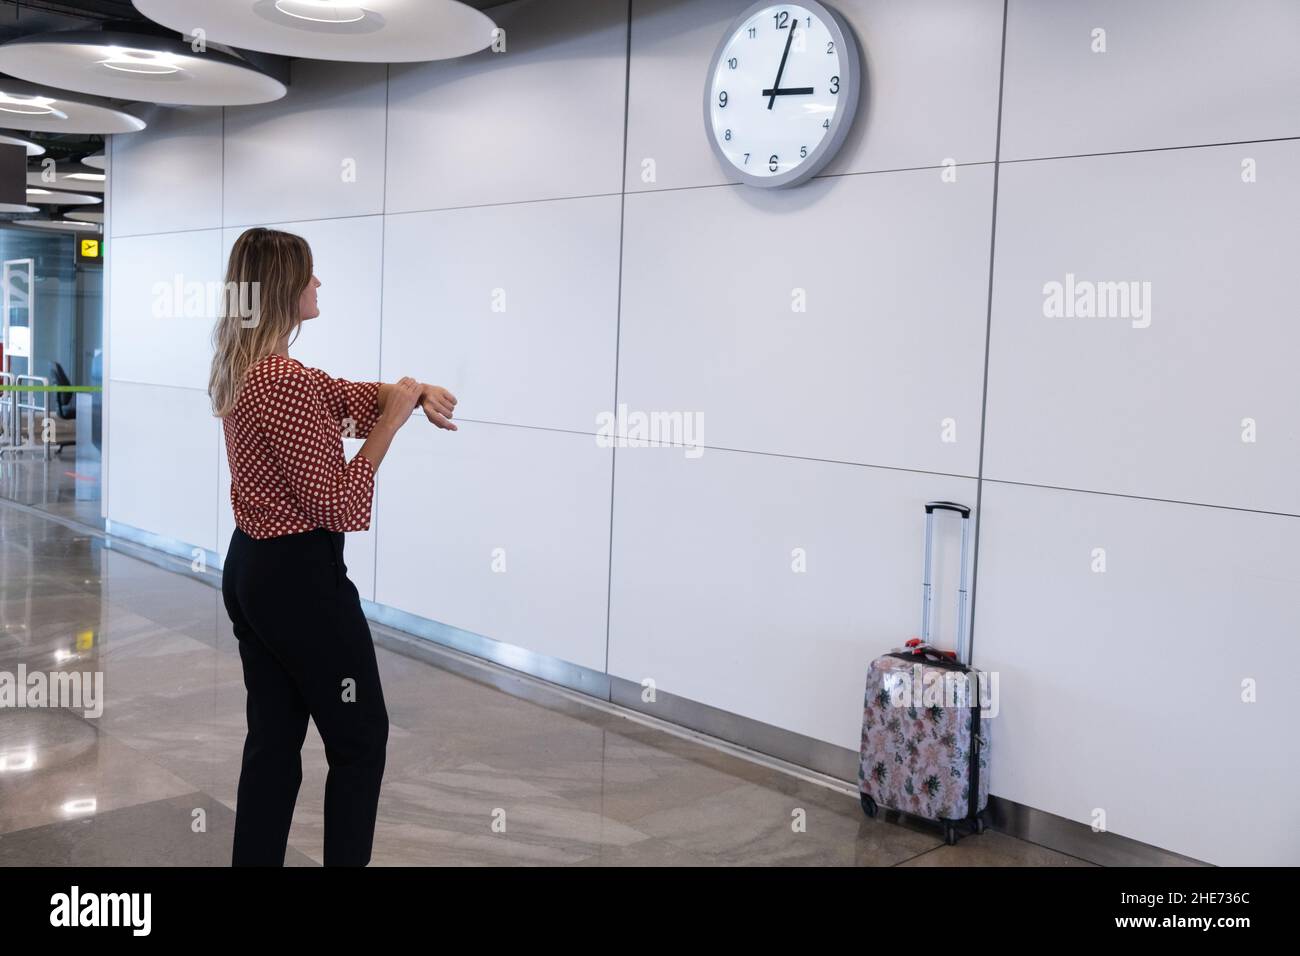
x=1152 y=149
x=1132 y=497
x=221 y=274
x=383 y=232
x=618 y=326
x=988 y=341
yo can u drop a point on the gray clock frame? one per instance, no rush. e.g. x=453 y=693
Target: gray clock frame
x=845 y=113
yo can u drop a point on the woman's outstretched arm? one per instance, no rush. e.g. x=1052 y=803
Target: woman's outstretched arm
x=396 y=404
x=438 y=403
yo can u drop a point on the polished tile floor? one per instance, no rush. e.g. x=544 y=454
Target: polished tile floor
x=67 y=484
x=153 y=780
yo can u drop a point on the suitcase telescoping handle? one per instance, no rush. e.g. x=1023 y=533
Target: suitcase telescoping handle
x=927 y=590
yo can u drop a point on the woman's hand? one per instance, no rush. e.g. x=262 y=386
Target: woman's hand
x=438 y=405
x=401 y=400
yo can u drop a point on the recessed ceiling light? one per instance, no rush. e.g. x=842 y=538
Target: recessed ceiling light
x=143 y=66
x=148 y=62
x=321 y=11
x=359 y=31
x=29 y=105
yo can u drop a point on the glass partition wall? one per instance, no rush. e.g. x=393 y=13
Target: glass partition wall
x=52 y=370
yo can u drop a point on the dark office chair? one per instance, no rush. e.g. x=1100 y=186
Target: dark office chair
x=97 y=399
x=65 y=403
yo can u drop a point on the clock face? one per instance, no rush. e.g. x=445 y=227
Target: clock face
x=782 y=92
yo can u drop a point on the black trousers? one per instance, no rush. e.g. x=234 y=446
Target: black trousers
x=307 y=651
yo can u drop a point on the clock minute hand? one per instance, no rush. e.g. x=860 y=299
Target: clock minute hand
x=776 y=84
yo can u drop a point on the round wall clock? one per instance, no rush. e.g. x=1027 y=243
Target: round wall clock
x=782 y=91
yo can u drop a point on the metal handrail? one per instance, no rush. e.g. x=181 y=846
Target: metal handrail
x=7 y=398
x=31 y=407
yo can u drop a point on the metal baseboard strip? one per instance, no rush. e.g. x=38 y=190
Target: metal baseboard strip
x=553 y=682
x=549 y=669
x=836 y=763
x=164 y=552
x=1078 y=839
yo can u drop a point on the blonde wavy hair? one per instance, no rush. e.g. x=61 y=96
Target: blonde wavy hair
x=265 y=278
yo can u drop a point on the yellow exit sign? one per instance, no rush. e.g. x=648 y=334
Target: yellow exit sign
x=90 y=250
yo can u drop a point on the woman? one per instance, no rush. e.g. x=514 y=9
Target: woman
x=303 y=639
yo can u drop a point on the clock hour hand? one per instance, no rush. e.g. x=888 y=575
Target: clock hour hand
x=789 y=91
x=776 y=84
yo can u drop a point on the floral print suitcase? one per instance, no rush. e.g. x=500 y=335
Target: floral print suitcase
x=924 y=746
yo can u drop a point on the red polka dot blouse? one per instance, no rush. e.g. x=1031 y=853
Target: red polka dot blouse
x=284 y=444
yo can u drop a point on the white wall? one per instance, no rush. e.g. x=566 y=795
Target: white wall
x=504 y=178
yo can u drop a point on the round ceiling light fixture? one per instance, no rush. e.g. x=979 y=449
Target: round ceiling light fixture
x=52 y=197
x=45 y=110
x=33 y=149
x=146 y=66
x=16 y=207
x=66 y=176
x=356 y=31
x=95 y=161
x=79 y=216
x=59 y=225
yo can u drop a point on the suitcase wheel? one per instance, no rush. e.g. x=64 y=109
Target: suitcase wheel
x=979 y=823
x=949 y=834
x=868 y=806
